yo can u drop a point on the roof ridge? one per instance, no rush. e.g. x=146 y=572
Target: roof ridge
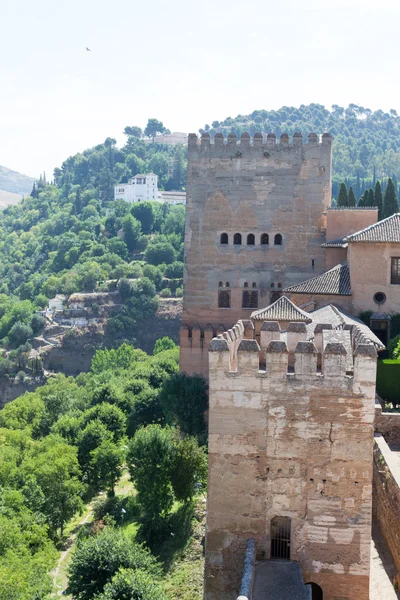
x=370 y=227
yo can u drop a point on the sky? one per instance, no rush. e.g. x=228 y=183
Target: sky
x=183 y=62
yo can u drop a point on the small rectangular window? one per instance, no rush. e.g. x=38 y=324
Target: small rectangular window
x=395 y=277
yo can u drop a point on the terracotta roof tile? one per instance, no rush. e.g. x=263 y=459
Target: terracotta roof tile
x=387 y=230
x=335 y=281
x=281 y=310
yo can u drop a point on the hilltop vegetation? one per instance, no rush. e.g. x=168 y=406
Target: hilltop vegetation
x=366 y=143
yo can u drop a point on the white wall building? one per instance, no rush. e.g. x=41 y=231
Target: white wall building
x=139 y=188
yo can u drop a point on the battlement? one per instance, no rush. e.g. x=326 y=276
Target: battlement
x=234 y=147
x=296 y=353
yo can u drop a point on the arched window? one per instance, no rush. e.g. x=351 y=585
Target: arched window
x=251 y=240
x=224 y=238
x=316 y=591
x=279 y=285
x=272 y=286
x=280 y=537
x=220 y=284
x=278 y=240
x=245 y=284
x=246 y=300
x=254 y=300
x=224 y=299
x=227 y=284
x=254 y=284
x=264 y=239
x=237 y=239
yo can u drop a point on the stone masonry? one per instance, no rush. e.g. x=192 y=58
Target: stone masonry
x=295 y=442
x=255 y=221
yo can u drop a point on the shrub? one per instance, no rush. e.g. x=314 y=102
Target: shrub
x=174 y=270
x=387 y=381
x=98 y=558
x=135 y=585
x=393 y=347
x=162 y=344
x=179 y=292
x=166 y=293
x=160 y=252
x=37 y=323
x=19 y=334
x=189 y=466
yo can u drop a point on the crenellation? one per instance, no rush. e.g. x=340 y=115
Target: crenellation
x=305 y=359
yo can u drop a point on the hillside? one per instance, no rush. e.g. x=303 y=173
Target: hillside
x=366 y=143
x=11 y=181
x=9 y=198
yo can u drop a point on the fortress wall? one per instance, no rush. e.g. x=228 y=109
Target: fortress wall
x=295 y=444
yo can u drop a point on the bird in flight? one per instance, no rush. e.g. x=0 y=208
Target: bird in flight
x=87 y=49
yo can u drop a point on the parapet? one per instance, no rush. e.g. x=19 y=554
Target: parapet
x=343 y=355
x=234 y=147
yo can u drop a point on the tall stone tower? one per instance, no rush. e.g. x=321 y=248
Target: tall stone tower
x=255 y=224
x=290 y=456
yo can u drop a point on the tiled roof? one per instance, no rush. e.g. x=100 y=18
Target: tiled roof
x=338 y=318
x=387 y=230
x=335 y=281
x=352 y=208
x=281 y=310
x=338 y=243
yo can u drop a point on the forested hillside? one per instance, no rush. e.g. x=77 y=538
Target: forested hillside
x=366 y=143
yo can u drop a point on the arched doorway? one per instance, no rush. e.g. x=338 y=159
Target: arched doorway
x=280 y=537
x=316 y=591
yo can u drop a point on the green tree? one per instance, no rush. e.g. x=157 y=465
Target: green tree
x=163 y=344
x=149 y=458
x=133 y=131
x=390 y=203
x=352 y=198
x=371 y=199
x=184 y=399
x=105 y=465
x=153 y=127
x=343 y=199
x=98 y=558
x=379 y=199
x=91 y=437
x=189 y=467
x=132 y=232
x=144 y=213
x=110 y=415
x=160 y=252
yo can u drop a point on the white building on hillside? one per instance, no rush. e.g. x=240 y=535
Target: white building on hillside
x=139 y=188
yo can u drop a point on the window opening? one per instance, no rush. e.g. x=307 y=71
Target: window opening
x=224 y=238
x=224 y=299
x=254 y=300
x=254 y=284
x=227 y=284
x=312 y=262
x=279 y=285
x=246 y=284
x=395 y=278
x=221 y=284
x=280 y=537
x=275 y=296
x=251 y=239
x=246 y=300
x=278 y=240
x=264 y=239
x=379 y=297
x=272 y=286
x=237 y=239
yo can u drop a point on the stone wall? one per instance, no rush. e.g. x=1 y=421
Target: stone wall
x=290 y=444
x=251 y=188
x=386 y=492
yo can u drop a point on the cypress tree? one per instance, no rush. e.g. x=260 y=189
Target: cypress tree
x=378 y=199
x=371 y=199
x=343 y=199
x=390 y=204
x=352 y=198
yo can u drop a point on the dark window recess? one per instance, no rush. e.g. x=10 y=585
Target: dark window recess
x=227 y=284
x=264 y=239
x=237 y=239
x=254 y=284
x=395 y=278
x=224 y=299
x=221 y=284
x=272 y=286
x=251 y=240
x=280 y=537
x=246 y=284
x=275 y=296
x=224 y=238
x=316 y=591
x=246 y=300
x=278 y=240
x=312 y=262
x=254 y=300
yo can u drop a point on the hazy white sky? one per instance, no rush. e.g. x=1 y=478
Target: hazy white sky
x=186 y=63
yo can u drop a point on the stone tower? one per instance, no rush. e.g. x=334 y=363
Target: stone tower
x=255 y=224
x=290 y=455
